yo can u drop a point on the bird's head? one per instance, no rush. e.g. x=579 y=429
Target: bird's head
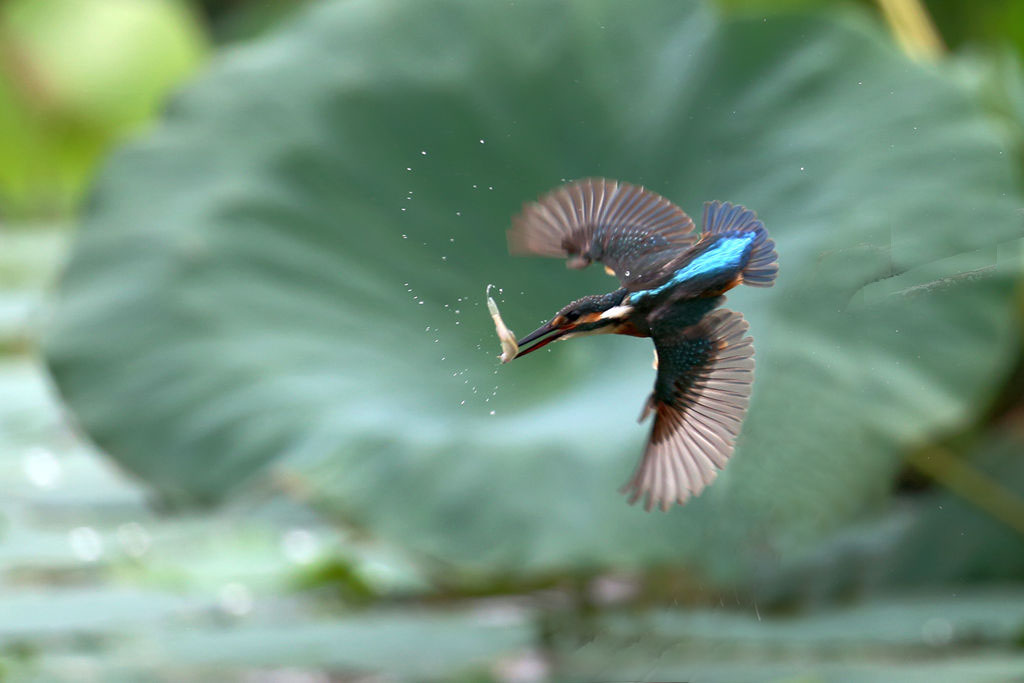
x=595 y=314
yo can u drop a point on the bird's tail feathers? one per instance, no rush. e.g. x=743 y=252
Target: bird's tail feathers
x=763 y=263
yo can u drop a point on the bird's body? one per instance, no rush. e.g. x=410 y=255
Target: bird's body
x=673 y=284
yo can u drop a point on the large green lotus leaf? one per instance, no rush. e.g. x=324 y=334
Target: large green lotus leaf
x=287 y=276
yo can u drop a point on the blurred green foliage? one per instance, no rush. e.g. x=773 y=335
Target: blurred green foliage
x=252 y=309
x=994 y=23
x=76 y=76
x=990 y=25
x=234 y=20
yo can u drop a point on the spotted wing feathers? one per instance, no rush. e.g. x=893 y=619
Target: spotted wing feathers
x=700 y=397
x=631 y=230
x=725 y=218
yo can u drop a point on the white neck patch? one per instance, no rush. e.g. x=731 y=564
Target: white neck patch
x=617 y=312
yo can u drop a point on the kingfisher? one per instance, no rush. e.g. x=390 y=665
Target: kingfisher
x=673 y=285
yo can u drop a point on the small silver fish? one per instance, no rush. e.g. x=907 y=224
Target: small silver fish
x=509 y=348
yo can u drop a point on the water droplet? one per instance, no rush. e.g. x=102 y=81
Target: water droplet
x=41 y=467
x=86 y=544
x=300 y=546
x=424 y=152
x=236 y=598
x=492 y=412
x=134 y=538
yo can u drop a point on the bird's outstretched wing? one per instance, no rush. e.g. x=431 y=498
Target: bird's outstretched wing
x=633 y=231
x=700 y=396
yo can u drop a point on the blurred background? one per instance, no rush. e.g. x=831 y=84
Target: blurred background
x=252 y=425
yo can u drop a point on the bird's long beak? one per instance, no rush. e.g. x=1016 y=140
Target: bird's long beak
x=546 y=333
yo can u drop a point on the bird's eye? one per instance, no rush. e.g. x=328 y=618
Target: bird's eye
x=572 y=316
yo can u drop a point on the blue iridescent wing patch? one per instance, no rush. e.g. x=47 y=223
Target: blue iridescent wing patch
x=717 y=261
x=724 y=218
